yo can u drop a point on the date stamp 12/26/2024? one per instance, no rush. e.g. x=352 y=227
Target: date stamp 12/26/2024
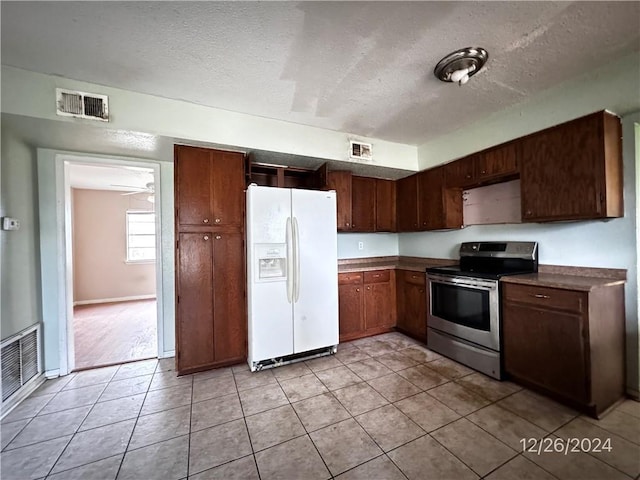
x=565 y=446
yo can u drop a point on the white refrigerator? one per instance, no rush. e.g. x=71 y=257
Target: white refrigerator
x=292 y=274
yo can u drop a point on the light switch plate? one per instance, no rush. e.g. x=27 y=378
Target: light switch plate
x=9 y=223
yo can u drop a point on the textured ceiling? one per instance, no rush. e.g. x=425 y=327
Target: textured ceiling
x=358 y=67
x=110 y=177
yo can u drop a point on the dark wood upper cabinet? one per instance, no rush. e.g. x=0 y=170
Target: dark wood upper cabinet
x=501 y=162
x=407 y=204
x=424 y=202
x=340 y=181
x=207 y=183
x=385 y=205
x=363 y=204
x=461 y=173
x=573 y=171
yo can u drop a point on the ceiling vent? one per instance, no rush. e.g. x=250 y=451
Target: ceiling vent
x=91 y=106
x=360 y=151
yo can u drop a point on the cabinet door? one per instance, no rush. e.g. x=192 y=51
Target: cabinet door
x=461 y=172
x=498 y=162
x=341 y=183
x=547 y=348
x=412 y=309
x=194 y=287
x=363 y=204
x=193 y=193
x=350 y=311
x=385 y=205
x=430 y=204
x=407 y=204
x=560 y=172
x=230 y=318
x=227 y=183
x=379 y=305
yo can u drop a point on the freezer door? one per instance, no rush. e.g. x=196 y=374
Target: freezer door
x=270 y=312
x=315 y=310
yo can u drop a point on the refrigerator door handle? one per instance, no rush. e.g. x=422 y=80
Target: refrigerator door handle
x=290 y=246
x=296 y=259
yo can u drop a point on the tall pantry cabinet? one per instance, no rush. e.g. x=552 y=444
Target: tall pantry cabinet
x=210 y=258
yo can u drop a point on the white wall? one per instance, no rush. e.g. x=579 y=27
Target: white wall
x=33 y=95
x=20 y=296
x=100 y=269
x=374 y=245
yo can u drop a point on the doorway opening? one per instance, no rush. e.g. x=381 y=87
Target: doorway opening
x=112 y=231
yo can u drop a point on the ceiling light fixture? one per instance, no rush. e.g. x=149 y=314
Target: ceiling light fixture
x=458 y=66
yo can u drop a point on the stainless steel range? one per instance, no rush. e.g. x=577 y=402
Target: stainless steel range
x=463 y=316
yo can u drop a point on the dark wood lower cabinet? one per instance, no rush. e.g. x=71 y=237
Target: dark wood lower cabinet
x=366 y=303
x=350 y=306
x=568 y=344
x=211 y=320
x=412 y=304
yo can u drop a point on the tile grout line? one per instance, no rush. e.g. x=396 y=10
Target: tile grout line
x=70 y=439
x=190 y=427
x=246 y=426
x=301 y=422
x=126 y=449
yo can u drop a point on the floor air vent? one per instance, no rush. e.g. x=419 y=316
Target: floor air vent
x=82 y=105
x=20 y=360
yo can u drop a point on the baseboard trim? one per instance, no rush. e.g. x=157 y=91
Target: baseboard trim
x=28 y=388
x=114 y=300
x=55 y=373
x=633 y=393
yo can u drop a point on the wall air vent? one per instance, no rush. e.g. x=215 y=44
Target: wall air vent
x=20 y=360
x=82 y=105
x=360 y=151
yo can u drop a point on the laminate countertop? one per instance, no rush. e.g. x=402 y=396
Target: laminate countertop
x=562 y=281
x=415 y=264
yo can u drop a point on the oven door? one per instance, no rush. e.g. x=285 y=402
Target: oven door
x=465 y=307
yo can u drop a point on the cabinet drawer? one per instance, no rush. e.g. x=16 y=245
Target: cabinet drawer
x=546 y=297
x=377 y=276
x=417 y=278
x=353 y=278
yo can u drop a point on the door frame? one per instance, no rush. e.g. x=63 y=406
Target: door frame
x=63 y=228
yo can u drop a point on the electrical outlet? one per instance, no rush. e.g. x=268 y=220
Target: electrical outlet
x=360 y=245
x=9 y=223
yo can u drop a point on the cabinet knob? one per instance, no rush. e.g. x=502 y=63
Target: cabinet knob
x=218 y=237
x=376 y=275
x=206 y=220
x=206 y=237
x=346 y=224
x=424 y=223
x=421 y=290
x=468 y=175
x=353 y=225
x=483 y=172
x=357 y=289
x=217 y=220
x=368 y=288
x=528 y=212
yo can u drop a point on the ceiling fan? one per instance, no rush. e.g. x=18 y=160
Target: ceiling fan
x=148 y=188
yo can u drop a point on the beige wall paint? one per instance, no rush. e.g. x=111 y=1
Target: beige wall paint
x=100 y=270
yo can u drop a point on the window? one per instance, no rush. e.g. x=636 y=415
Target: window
x=141 y=236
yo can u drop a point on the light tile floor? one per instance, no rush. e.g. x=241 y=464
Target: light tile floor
x=383 y=407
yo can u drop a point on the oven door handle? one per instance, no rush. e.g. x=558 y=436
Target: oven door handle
x=463 y=282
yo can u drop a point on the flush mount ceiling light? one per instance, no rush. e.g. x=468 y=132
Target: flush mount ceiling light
x=461 y=64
